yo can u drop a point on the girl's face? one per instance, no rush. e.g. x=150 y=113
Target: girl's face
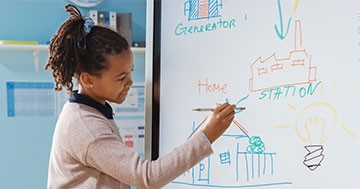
x=114 y=83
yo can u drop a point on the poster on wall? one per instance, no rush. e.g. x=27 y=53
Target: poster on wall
x=26 y=99
x=129 y=117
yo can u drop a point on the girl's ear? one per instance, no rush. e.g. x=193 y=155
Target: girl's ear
x=86 y=80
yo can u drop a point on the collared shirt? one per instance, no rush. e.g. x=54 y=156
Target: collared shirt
x=106 y=109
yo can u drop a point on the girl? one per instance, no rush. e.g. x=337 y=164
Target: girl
x=87 y=150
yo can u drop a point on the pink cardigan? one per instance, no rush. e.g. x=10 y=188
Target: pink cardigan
x=87 y=152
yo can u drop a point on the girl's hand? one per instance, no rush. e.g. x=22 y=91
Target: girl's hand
x=219 y=120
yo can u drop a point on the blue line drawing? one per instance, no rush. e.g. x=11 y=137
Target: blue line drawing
x=252 y=166
x=193 y=174
x=264 y=165
x=259 y=166
x=238 y=102
x=241 y=173
x=202 y=9
x=240 y=186
x=204 y=170
x=225 y=158
x=281 y=33
x=247 y=169
x=272 y=165
x=237 y=163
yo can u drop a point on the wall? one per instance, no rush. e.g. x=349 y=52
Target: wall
x=39 y=19
x=25 y=142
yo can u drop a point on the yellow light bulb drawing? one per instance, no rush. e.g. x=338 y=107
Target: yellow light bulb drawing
x=314 y=126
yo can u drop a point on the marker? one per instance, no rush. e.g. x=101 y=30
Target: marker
x=211 y=109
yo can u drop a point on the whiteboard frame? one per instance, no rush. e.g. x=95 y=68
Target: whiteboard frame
x=153 y=67
x=152 y=79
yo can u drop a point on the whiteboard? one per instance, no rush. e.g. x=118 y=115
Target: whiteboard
x=294 y=65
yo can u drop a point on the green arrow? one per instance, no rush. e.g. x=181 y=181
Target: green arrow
x=281 y=34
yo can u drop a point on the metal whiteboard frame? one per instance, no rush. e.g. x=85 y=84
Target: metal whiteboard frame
x=152 y=79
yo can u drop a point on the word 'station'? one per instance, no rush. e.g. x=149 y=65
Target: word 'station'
x=287 y=91
x=211 y=87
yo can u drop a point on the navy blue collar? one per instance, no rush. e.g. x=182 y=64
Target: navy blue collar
x=106 y=109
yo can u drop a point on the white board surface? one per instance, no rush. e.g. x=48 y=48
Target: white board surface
x=294 y=65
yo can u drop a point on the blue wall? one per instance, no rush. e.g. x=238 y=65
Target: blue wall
x=39 y=19
x=25 y=142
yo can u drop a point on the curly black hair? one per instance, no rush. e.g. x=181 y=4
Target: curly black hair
x=73 y=52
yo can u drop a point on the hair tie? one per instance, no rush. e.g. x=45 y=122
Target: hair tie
x=88 y=24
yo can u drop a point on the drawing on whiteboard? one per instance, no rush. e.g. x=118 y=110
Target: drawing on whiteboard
x=314 y=125
x=296 y=5
x=267 y=73
x=244 y=161
x=238 y=102
x=256 y=145
x=212 y=87
x=316 y=122
x=281 y=33
x=202 y=9
x=289 y=91
x=243 y=167
x=206 y=10
x=314 y=157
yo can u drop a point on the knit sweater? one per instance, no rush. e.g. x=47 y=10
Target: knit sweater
x=87 y=152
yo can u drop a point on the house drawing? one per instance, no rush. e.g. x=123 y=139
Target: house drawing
x=202 y=9
x=272 y=71
x=241 y=167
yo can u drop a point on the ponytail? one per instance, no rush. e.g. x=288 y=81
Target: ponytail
x=77 y=48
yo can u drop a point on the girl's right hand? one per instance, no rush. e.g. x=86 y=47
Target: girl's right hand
x=219 y=120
